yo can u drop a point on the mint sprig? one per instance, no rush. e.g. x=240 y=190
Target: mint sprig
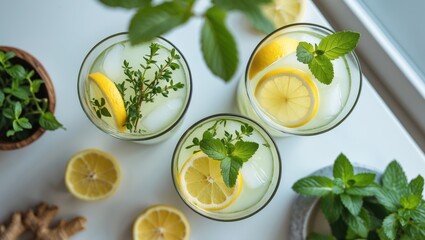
x=319 y=57
x=358 y=207
x=232 y=149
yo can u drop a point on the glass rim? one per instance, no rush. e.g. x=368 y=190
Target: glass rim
x=159 y=134
x=204 y=119
x=302 y=24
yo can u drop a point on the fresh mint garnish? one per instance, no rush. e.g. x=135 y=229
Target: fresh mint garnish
x=145 y=90
x=232 y=149
x=330 y=48
x=358 y=207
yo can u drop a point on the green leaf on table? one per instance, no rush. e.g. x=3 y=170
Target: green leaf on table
x=313 y=186
x=363 y=179
x=230 y=169
x=127 y=3
x=322 y=68
x=352 y=203
x=331 y=207
x=217 y=44
x=244 y=150
x=24 y=123
x=342 y=168
x=416 y=186
x=305 y=52
x=316 y=236
x=49 y=122
x=390 y=226
x=339 y=44
x=152 y=21
x=214 y=148
x=359 y=224
x=410 y=201
x=395 y=179
x=16 y=71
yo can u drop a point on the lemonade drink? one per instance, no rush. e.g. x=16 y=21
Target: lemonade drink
x=282 y=94
x=102 y=74
x=257 y=181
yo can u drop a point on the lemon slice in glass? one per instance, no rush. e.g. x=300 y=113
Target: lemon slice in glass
x=271 y=52
x=161 y=223
x=92 y=175
x=284 y=12
x=202 y=184
x=113 y=98
x=289 y=96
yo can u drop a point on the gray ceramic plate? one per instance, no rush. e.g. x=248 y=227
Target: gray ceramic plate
x=305 y=216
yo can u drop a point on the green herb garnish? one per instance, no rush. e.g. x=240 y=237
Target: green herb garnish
x=99 y=106
x=319 y=57
x=145 y=90
x=232 y=150
x=358 y=207
x=22 y=107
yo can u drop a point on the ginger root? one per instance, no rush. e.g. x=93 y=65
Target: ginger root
x=38 y=222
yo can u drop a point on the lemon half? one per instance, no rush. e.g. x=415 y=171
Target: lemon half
x=289 y=95
x=284 y=12
x=113 y=98
x=92 y=175
x=202 y=184
x=161 y=223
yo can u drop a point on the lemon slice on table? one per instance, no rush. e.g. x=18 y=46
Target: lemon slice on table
x=202 y=183
x=92 y=175
x=271 y=52
x=161 y=223
x=289 y=95
x=284 y=12
x=113 y=98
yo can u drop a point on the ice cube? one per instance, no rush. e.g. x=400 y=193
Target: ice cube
x=252 y=174
x=330 y=99
x=163 y=115
x=112 y=63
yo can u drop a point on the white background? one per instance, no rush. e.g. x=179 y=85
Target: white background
x=60 y=33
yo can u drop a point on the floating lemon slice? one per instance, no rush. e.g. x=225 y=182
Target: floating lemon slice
x=161 y=223
x=202 y=183
x=113 y=97
x=271 y=52
x=288 y=95
x=284 y=12
x=92 y=175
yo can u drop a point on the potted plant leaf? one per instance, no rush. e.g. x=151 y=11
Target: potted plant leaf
x=27 y=99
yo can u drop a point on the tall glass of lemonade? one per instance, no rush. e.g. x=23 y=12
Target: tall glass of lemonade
x=283 y=95
x=226 y=167
x=135 y=92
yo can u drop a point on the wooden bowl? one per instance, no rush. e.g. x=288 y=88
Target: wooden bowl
x=46 y=90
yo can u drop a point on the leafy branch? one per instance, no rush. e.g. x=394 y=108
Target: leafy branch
x=217 y=43
x=145 y=90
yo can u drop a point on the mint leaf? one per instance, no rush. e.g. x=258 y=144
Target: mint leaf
x=389 y=199
x=418 y=214
x=217 y=44
x=24 y=123
x=49 y=122
x=390 y=226
x=257 y=19
x=127 y=3
x=313 y=186
x=363 y=179
x=331 y=207
x=352 y=203
x=342 y=168
x=363 y=191
x=2 y=97
x=394 y=178
x=214 y=148
x=305 y=52
x=410 y=202
x=17 y=109
x=35 y=85
x=244 y=150
x=316 y=236
x=339 y=186
x=8 y=113
x=322 y=69
x=338 y=44
x=359 y=224
x=152 y=21
x=17 y=72
x=416 y=186
x=416 y=231
x=230 y=169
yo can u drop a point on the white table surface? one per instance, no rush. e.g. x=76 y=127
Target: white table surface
x=60 y=33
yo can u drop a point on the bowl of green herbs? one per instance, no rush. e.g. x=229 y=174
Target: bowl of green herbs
x=350 y=202
x=27 y=99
